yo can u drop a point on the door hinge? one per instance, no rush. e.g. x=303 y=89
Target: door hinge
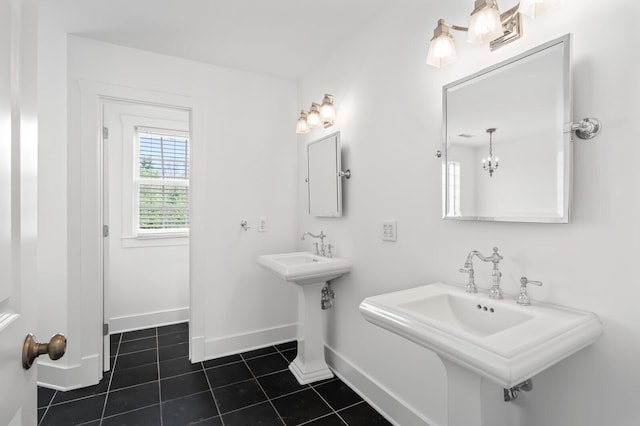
x=105 y=230
x=105 y=329
x=105 y=133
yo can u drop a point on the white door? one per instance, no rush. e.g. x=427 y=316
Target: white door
x=146 y=272
x=18 y=197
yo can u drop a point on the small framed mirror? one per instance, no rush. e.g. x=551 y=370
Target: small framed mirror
x=323 y=176
x=507 y=140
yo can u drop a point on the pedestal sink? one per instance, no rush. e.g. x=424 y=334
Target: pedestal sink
x=309 y=272
x=481 y=338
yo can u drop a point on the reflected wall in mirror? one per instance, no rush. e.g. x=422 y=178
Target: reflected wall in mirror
x=521 y=172
x=323 y=180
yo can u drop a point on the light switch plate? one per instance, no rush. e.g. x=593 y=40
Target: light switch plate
x=262 y=224
x=389 y=230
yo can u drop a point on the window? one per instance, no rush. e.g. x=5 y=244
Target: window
x=162 y=182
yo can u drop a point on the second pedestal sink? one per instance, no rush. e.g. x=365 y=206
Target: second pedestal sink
x=478 y=337
x=310 y=272
x=497 y=339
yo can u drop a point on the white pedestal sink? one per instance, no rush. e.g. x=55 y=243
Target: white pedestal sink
x=310 y=272
x=481 y=338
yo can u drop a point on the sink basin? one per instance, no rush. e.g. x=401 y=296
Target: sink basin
x=457 y=312
x=496 y=339
x=305 y=268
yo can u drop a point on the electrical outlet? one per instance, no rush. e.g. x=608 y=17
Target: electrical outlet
x=389 y=230
x=262 y=224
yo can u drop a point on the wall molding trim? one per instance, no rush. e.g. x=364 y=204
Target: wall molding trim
x=87 y=285
x=147 y=320
x=236 y=343
x=390 y=405
x=67 y=377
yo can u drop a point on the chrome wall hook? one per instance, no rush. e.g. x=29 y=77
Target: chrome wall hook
x=244 y=225
x=587 y=128
x=345 y=174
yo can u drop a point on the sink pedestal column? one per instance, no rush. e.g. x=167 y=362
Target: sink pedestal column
x=310 y=366
x=464 y=396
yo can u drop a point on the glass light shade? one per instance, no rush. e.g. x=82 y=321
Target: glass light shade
x=442 y=51
x=302 y=127
x=313 y=118
x=485 y=25
x=327 y=111
x=533 y=8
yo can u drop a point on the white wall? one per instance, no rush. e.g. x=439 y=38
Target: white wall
x=389 y=115
x=244 y=167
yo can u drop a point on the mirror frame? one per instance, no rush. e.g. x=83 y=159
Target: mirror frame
x=337 y=212
x=565 y=42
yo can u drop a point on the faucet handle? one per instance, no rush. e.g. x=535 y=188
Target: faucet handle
x=495 y=252
x=524 y=281
x=523 y=297
x=329 y=250
x=471 y=285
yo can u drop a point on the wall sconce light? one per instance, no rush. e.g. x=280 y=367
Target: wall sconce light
x=313 y=118
x=302 y=127
x=327 y=110
x=323 y=114
x=486 y=26
x=490 y=164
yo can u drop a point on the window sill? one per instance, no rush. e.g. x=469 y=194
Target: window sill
x=156 y=240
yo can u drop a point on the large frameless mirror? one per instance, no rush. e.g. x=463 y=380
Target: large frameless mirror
x=323 y=176
x=507 y=141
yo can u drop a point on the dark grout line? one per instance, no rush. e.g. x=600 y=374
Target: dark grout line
x=327 y=402
x=159 y=383
x=221 y=365
x=126 y=412
x=115 y=362
x=262 y=389
x=318 y=418
x=47 y=407
x=212 y=394
x=75 y=399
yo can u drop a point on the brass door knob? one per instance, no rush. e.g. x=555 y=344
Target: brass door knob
x=32 y=349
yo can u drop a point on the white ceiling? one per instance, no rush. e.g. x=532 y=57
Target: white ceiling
x=283 y=38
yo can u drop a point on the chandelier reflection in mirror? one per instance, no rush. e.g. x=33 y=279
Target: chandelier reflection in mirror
x=490 y=163
x=486 y=26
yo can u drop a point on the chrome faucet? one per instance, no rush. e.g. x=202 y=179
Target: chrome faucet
x=322 y=236
x=523 y=298
x=496 y=275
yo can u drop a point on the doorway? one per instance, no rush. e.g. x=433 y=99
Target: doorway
x=145 y=186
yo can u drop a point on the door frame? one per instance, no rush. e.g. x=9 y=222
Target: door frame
x=90 y=269
x=128 y=122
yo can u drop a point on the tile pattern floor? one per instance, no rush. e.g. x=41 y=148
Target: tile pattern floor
x=152 y=383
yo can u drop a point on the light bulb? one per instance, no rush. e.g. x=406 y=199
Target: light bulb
x=442 y=48
x=302 y=127
x=485 y=24
x=313 y=118
x=327 y=110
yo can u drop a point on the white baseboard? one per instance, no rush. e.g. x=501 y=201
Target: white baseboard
x=229 y=345
x=67 y=377
x=147 y=320
x=390 y=405
x=197 y=349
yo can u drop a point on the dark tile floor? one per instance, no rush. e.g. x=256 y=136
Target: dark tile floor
x=152 y=382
